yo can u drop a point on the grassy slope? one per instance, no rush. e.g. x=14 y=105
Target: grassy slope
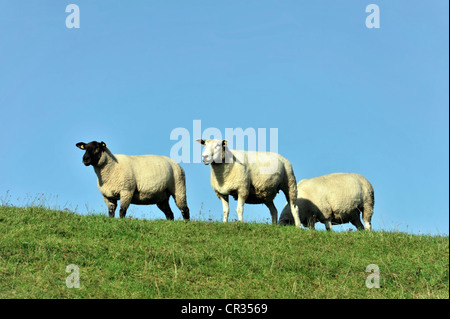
x=161 y=259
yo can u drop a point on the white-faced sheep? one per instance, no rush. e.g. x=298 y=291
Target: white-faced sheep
x=250 y=177
x=333 y=199
x=141 y=180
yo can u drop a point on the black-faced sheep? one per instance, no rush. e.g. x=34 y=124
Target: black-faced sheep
x=333 y=199
x=141 y=180
x=250 y=177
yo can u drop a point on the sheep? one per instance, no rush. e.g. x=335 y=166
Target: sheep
x=140 y=180
x=336 y=198
x=246 y=176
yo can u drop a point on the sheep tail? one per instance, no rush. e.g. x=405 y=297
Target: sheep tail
x=179 y=194
x=292 y=182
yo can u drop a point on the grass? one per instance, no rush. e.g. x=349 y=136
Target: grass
x=129 y=258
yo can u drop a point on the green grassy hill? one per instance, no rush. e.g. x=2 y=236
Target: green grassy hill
x=129 y=258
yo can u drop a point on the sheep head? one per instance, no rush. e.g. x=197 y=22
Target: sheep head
x=214 y=151
x=94 y=151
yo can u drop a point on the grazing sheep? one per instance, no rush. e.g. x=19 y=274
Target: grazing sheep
x=336 y=198
x=141 y=180
x=250 y=177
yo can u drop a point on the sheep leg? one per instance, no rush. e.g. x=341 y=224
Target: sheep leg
x=165 y=208
x=125 y=201
x=273 y=212
x=295 y=214
x=240 y=208
x=111 y=204
x=312 y=222
x=225 y=206
x=357 y=223
x=328 y=225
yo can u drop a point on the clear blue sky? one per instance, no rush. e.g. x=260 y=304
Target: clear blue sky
x=344 y=98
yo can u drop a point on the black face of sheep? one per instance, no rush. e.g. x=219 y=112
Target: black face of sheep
x=94 y=151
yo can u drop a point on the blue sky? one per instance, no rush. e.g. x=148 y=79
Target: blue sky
x=344 y=98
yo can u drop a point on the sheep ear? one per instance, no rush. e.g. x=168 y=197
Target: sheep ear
x=224 y=143
x=81 y=145
x=201 y=141
x=103 y=144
